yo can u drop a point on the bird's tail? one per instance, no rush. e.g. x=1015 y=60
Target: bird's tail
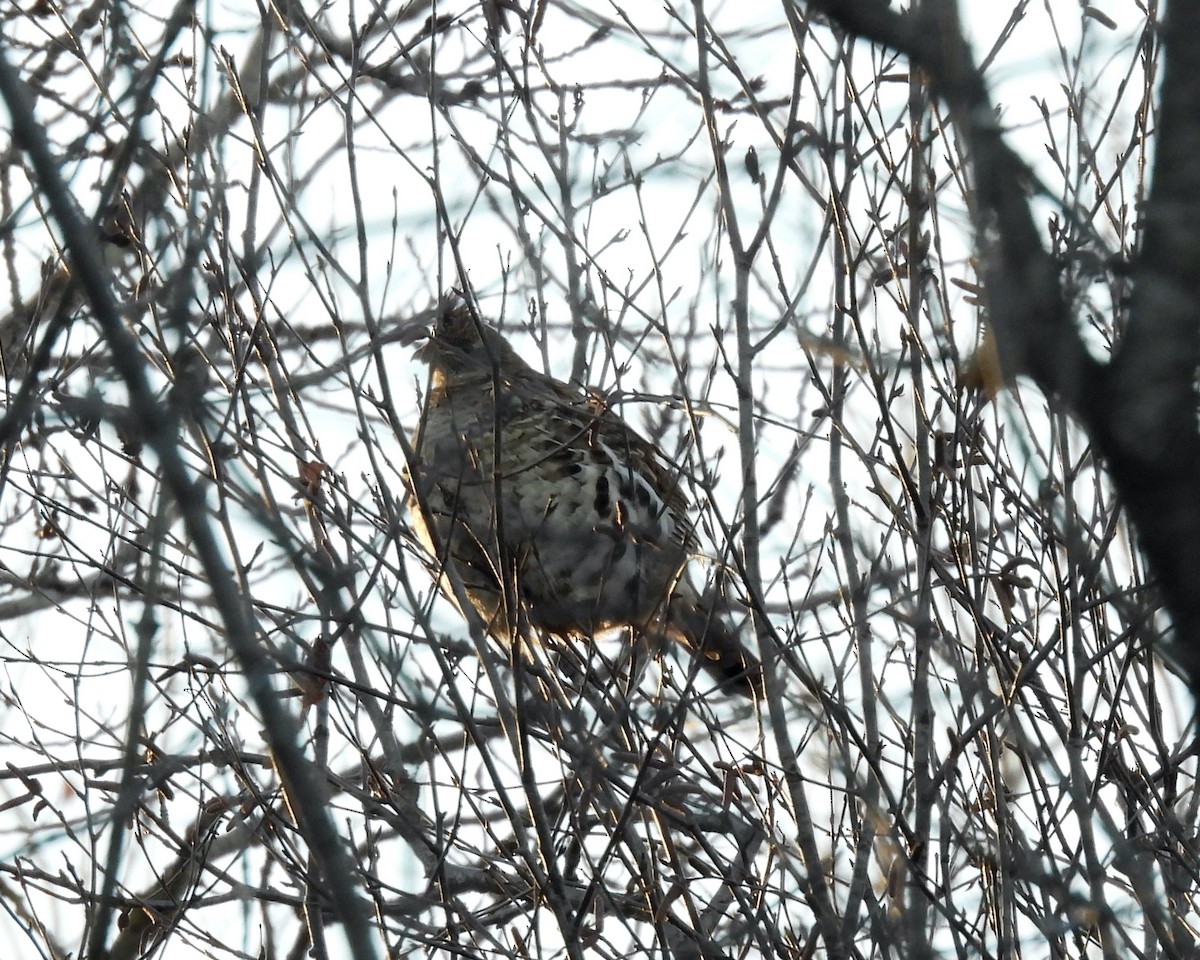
x=695 y=625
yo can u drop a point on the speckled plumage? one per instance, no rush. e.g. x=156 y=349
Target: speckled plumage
x=536 y=492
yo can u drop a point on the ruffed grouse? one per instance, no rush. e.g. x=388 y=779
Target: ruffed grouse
x=550 y=509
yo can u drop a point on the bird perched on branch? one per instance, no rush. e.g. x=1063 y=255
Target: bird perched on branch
x=550 y=510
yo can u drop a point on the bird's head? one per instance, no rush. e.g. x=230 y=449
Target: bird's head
x=461 y=346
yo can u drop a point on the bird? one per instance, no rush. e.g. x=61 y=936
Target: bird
x=550 y=511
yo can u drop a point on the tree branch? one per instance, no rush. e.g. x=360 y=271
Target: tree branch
x=1140 y=409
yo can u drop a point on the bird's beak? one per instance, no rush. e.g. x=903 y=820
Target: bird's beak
x=415 y=331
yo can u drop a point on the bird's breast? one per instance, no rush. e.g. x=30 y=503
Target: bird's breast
x=592 y=539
